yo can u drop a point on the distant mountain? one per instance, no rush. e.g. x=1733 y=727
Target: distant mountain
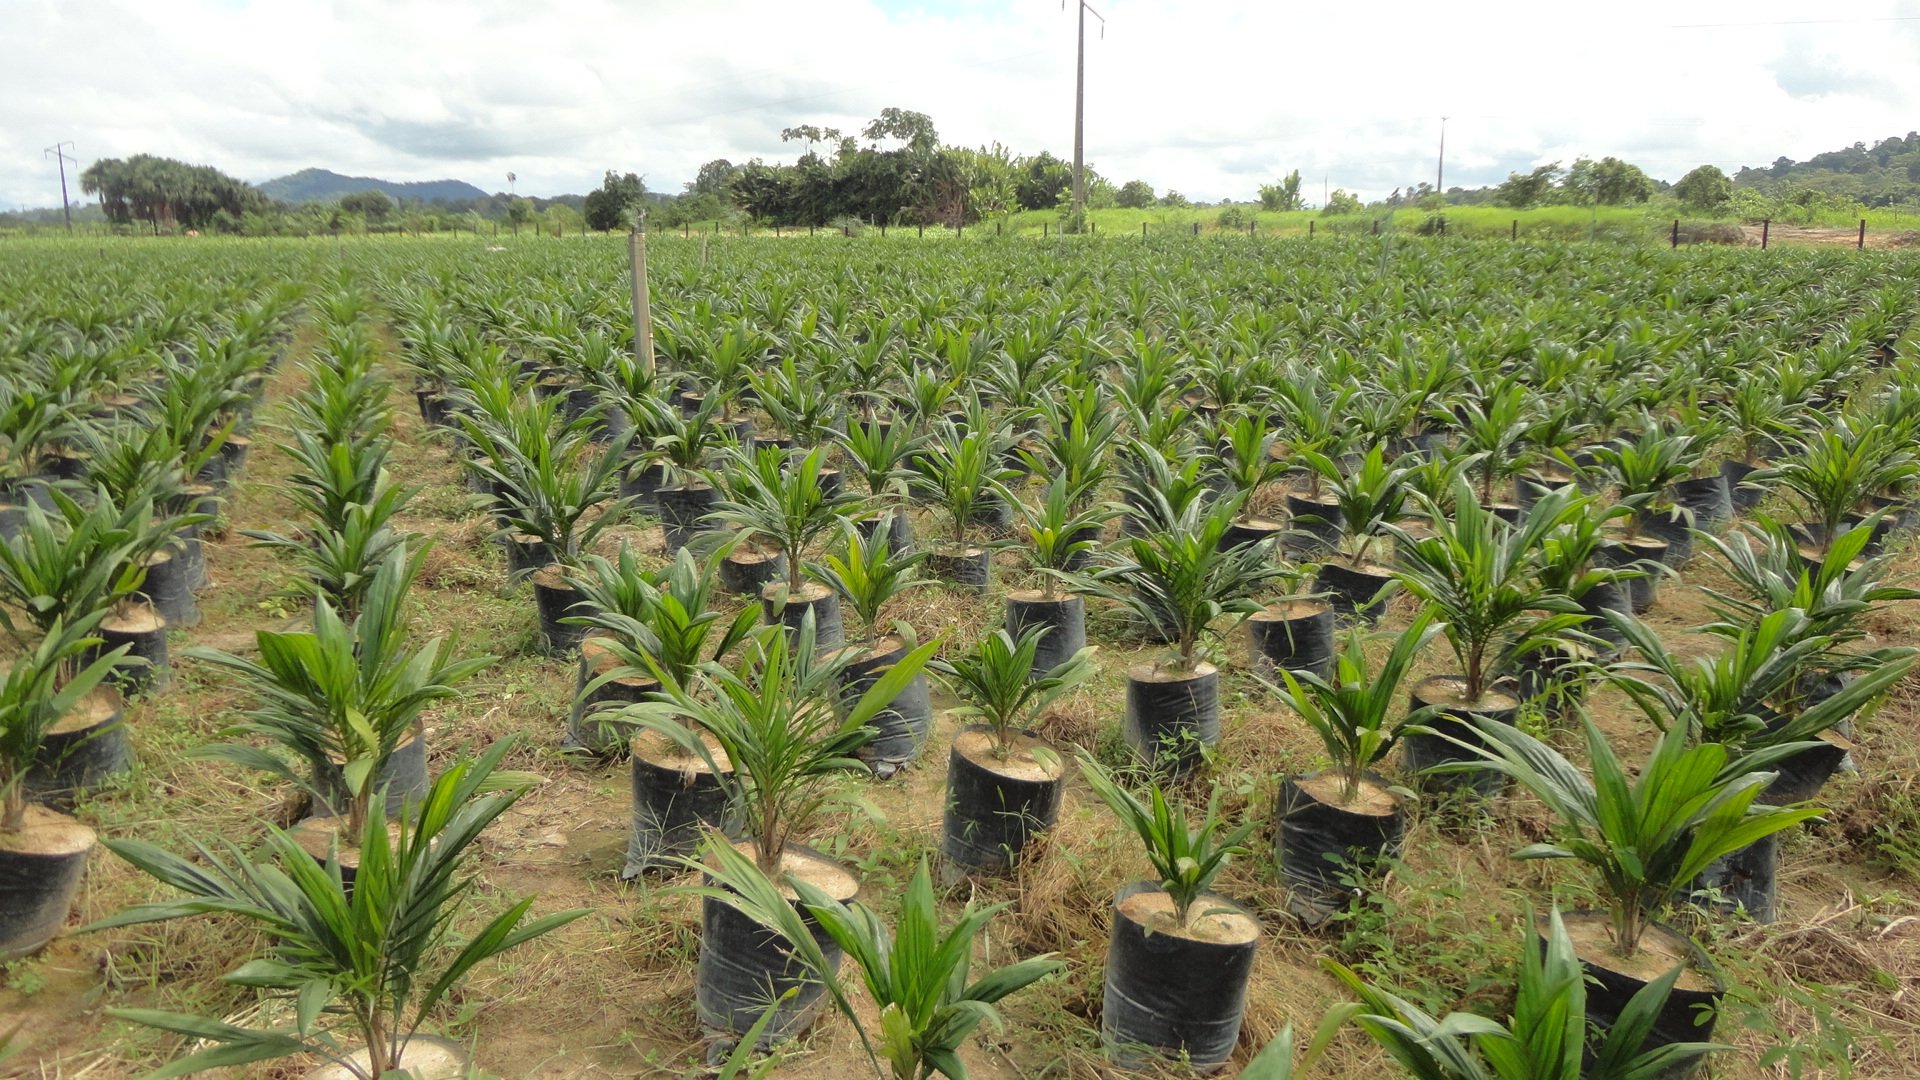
x=320 y=185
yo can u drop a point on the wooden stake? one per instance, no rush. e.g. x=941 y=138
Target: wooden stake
x=642 y=308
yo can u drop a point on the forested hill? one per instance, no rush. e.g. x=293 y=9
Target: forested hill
x=1884 y=174
x=323 y=185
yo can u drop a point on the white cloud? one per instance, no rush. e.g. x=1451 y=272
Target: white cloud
x=1212 y=98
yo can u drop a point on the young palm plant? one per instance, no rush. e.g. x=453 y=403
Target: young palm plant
x=1177 y=582
x=779 y=495
x=1493 y=430
x=1361 y=503
x=350 y=501
x=960 y=469
x=778 y=718
x=1479 y=576
x=1835 y=593
x=73 y=564
x=1833 y=474
x=345 y=700
x=918 y=978
x=643 y=628
x=42 y=854
x=1347 y=814
x=866 y=579
x=1546 y=1038
x=776 y=730
x=1243 y=457
x=649 y=631
x=1195 y=972
x=1644 y=471
x=1003 y=778
x=378 y=949
x=1063 y=531
x=1647 y=837
x=684 y=445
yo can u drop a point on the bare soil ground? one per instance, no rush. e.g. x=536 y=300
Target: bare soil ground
x=1826 y=236
x=1836 y=982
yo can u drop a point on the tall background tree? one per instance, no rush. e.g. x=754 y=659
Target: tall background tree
x=1522 y=190
x=1284 y=195
x=162 y=191
x=1705 y=188
x=1608 y=182
x=609 y=206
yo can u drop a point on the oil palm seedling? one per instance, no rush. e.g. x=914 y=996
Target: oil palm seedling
x=685 y=444
x=1644 y=471
x=42 y=853
x=137 y=470
x=366 y=957
x=1346 y=814
x=877 y=452
x=803 y=403
x=1768 y=574
x=958 y=469
x=1751 y=694
x=1646 y=838
x=781 y=496
x=726 y=364
x=1493 y=435
x=1581 y=560
x=1545 y=1038
x=777 y=730
x=866 y=579
x=1062 y=540
x=1556 y=427
x=1311 y=419
x=1480 y=578
x=1176 y=583
x=1179 y=954
x=1362 y=503
x=345 y=701
x=867 y=573
x=648 y=631
x=1778 y=681
x=1244 y=458
x=32 y=420
x=73 y=564
x=1832 y=475
x=1003 y=777
x=918 y=977
x=349 y=501
x=1079 y=425
x=556 y=493
x=1153 y=491
x=1760 y=420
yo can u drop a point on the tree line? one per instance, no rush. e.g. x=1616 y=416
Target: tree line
x=895 y=170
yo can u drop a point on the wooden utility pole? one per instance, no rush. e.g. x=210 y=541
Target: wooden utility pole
x=1080 y=108
x=58 y=152
x=642 y=311
x=1440 y=171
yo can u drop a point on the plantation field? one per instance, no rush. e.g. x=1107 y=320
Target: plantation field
x=1508 y=360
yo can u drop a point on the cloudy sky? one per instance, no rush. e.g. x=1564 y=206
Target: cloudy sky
x=1212 y=97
